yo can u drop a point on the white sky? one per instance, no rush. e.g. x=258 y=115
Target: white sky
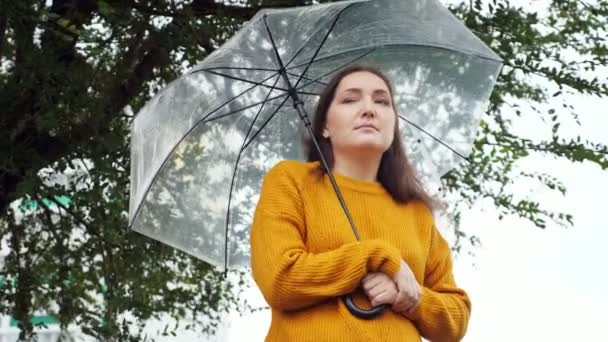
x=546 y=285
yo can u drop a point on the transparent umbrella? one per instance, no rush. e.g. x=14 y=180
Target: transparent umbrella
x=202 y=145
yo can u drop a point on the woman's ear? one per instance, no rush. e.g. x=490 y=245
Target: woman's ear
x=325 y=133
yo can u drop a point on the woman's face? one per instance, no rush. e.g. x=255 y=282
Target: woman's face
x=361 y=117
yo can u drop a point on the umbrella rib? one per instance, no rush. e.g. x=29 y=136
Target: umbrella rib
x=232 y=99
x=303 y=86
x=243 y=108
x=283 y=69
x=304 y=45
x=278 y=96
x=162 y=165
x=309 y=93
x=331 y=28
x=306 y=78
x=336 y=69
x=398 y=45
x=269 y=99
x=434 y=138
x=236 y=164
x=274 y=45
x=237 y=68
x=265 y=123
x=242 y=79
x=333 y=56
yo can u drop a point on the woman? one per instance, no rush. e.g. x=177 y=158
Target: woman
x=304 y=255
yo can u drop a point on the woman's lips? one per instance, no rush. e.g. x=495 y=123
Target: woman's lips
x=366 y=126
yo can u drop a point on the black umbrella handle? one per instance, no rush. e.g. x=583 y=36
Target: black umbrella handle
x=362 y=313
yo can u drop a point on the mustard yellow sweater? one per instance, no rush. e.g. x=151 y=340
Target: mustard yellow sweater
x=304 y=256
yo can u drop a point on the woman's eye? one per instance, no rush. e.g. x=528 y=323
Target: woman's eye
x=384 y=102
x=348 y=100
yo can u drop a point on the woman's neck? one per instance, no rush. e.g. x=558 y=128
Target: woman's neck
x=361 y=166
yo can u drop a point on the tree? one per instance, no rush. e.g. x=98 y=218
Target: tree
x=547 y=58
x=72 y=73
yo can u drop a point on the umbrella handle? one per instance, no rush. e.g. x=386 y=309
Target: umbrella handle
x=362 y=313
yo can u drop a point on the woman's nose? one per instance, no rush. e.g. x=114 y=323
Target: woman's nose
x=369 y=113
x=368 y=109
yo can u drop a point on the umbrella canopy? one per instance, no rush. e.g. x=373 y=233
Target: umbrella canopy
x=202 y=145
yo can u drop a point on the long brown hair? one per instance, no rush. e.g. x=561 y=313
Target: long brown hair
x=396 y=174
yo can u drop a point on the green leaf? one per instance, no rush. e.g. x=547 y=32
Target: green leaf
x=105 y=9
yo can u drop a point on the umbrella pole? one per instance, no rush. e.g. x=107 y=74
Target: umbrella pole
x=299 y=106
x=304 y=116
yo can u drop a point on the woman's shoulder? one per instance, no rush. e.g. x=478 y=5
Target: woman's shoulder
x=297 y=171
x=294 y=168
x=422 y=212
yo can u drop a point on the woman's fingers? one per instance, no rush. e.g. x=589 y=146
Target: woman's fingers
x=388 y=296
x=401 y=302
x=382 y=298
x=376 y=290
x=375 y=281
x=379 y=288
x=370 y=281
x=387 y=288
x=409 y=289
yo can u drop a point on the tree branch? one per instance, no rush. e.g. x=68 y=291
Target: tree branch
x=205 y=7
x=71 y=16
x=8 y=186
x=152 y=55
x=201 y=8
x=24 y=44
x=3 y=25
x=49 y=218
x=86 y=225
x=540 y=148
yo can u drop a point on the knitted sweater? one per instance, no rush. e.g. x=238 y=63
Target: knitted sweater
x=304 y=256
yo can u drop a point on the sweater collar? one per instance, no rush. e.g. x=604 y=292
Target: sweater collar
x=346 y=182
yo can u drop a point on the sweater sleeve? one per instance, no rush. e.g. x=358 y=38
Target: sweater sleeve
x=289 y=276
x=444 y=309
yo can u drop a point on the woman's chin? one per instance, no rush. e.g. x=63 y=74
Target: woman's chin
x=367 y=147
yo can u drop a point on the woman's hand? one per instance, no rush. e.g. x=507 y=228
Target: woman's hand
x=379 y=288
x=409 y=294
